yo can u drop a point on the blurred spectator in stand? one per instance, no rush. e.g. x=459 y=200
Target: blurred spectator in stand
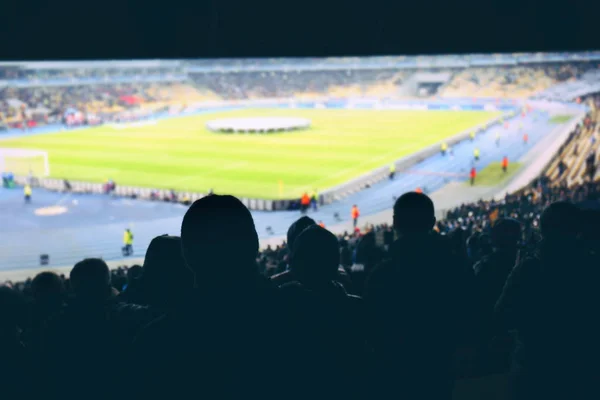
x=49 y=295
x=367 y=256
x=167 y=282
x=417 y=307
x=87 y=338
x=15 y=363
x=493 y=269
x=132 y=289
x=550 y=300
x=327 y=320
x=293 y=232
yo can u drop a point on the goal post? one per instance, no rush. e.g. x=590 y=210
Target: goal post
x=24 y=162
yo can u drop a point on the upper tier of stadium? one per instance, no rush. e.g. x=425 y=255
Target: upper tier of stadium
x=38 y=93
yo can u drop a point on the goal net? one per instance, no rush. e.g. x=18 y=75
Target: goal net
x=24 y=162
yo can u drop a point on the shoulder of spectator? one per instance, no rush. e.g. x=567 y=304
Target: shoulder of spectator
x=282 y=278
x=481 y=265
x=379 y=278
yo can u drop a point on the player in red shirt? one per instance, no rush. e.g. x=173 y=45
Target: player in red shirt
x=505 y=164
x=473 y=175
x=355 y=214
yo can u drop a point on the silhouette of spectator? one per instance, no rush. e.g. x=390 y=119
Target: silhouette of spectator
x=86 y=340
x=15 y=365
x=131 y=288
x=417 y=304
x=293 y=232
x=493 y=269
x=167 y=281
x=229 y=337
x=549 y=299
x=327 y=321
x=490 y=276
x=368 y=256
x=49 y=295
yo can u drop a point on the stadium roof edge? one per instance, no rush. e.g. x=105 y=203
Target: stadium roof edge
x=331 y=63
x=108 y=64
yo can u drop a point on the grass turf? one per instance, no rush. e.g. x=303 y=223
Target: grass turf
x=493 y=175
x=181 y=154
x=560 y=119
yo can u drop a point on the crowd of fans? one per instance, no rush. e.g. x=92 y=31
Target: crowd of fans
x=48 y=100
x=577 y=159
x=400 y=310
x=45 y=103
x=519 y=81
x=277 y=84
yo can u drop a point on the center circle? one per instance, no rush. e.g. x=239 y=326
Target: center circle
x=50 y=211
x=257 y=124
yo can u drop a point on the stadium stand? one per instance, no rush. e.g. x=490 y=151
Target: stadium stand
x=408 y=309
x=577 y=160
x=34 y=95
x=518 y=82
x=69 y=316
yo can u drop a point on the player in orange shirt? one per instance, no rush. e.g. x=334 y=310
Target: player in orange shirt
x=304 y=203
x=504 y=164
x=355 y=214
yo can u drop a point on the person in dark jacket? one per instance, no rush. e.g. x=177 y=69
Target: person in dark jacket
x=226 y=342
x=490 y=276
x=416 y=305
x=87 y=340
x=293 y=232
x=49 y=295
x=329 y=345
x=368 y=256
x=167 y=282
x=15 y=362
x=550 y=300
x=493 y=269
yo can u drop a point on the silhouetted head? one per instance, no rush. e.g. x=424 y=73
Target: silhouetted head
x=90 y=279
x=506 y=233
x=219 y=238
x=560 y=220
x=166 y=278
x=413 y=214
x=296 y=229
x=473 y=246
x=47 y=287
x=315 y=256
x=134 y=273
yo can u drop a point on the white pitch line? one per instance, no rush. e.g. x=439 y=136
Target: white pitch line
x=63 y=199
x=357 y=166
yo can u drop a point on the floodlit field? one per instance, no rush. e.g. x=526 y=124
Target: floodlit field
x=179 y=153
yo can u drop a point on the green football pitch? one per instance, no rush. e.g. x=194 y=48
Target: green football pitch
x=181 y=154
